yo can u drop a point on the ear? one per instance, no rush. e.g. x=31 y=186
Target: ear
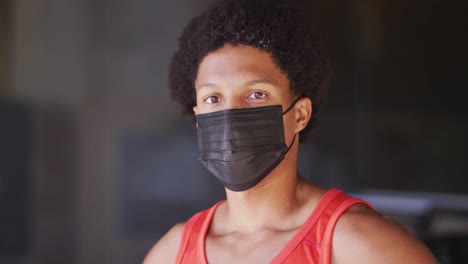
x=303 y=112
x=195 y=110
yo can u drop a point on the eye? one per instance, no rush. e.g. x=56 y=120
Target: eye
x=212 y=99
x=257 y=95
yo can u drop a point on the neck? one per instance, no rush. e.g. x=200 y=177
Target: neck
x=276 y=197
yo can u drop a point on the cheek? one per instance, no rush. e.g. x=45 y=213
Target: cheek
x=289 y=127
x=197 y=100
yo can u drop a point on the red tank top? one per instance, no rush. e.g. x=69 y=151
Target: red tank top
x=310 y=244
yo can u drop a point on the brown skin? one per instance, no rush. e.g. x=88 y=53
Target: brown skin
x=267 y=216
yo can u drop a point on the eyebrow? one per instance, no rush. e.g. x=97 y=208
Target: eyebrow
x=249 y=83
x=206 y=85
x=254 y=82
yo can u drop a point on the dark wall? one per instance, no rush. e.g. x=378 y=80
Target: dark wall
x=5 y=46
x=115 y=165
x=396 y=116
x=16 y=190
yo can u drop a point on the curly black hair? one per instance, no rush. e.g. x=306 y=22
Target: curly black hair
x=271 y=26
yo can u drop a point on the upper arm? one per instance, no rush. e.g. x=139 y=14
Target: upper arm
x=165 y=250
x=363 y=236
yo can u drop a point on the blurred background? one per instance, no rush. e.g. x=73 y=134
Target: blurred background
x=96 y=163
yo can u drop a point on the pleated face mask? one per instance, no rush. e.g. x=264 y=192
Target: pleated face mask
x=241 y=147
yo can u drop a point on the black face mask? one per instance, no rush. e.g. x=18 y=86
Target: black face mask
x=242 y=146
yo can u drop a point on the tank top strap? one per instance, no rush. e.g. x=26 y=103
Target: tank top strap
x=337 y=207
x=187 y=240
x=192 y=244
x=308 y=231
x=312 y=242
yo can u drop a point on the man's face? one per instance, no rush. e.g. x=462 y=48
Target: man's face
x=242 y=77
x=239 y=77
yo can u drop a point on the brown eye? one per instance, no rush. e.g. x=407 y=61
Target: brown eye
x=212 y=99
x=257 y=95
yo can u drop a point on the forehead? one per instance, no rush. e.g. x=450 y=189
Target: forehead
x=239 y=63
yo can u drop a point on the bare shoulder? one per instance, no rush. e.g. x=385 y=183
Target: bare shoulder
x=165 y=250
x=364 y=236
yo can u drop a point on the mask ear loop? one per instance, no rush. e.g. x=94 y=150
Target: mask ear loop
x=292 y=143
x=285 y=112
x=292 y=105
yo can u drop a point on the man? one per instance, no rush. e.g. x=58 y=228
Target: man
x=254 y=77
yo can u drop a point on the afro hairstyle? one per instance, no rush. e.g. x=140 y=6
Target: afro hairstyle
x=271 y=26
